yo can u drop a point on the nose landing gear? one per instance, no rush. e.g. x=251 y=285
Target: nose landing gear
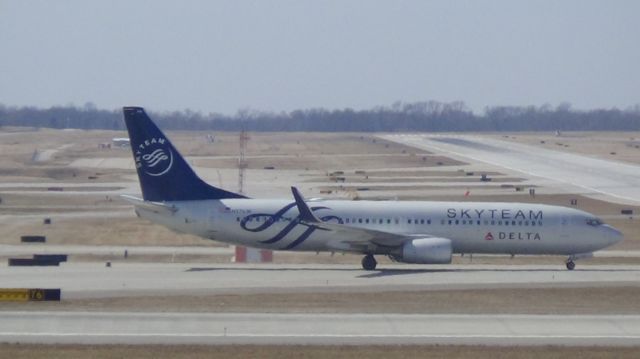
x=574 y=257
x=571 y=265
x=369 y=262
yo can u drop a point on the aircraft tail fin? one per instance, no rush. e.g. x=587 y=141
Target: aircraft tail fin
x=163 y=173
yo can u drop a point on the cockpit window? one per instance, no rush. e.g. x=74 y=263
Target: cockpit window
x=594 y=221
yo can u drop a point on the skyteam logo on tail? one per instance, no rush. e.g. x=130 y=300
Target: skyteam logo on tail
x=154 y=157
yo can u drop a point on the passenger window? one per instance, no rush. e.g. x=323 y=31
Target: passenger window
x=457 y=222
x=428 y=221
x=388 y=221
x=409 y=221
x=238 y=219
x=366 y=220
x=397 y=221
x=359 y=220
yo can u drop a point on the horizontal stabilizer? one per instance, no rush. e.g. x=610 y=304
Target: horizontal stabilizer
x=157 y=207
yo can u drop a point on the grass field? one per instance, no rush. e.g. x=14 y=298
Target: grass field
x=18 y=351
x=615 y=298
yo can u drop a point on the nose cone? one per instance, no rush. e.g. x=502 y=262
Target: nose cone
x=611 y=234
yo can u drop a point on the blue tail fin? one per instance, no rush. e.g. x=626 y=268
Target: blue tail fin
x=164 y=174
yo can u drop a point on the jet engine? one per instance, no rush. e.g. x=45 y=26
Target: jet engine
x=426 y=251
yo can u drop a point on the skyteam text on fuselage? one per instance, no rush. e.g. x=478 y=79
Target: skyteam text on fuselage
x=412 y=232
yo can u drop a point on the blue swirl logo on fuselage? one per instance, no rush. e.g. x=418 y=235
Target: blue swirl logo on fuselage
x=264 y=221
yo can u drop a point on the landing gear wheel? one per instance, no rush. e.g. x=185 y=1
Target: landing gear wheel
x=368 y=262
x=571 y=265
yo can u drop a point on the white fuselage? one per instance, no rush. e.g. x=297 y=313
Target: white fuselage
x=472 y=227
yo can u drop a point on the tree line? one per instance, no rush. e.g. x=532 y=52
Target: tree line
x=427 y=116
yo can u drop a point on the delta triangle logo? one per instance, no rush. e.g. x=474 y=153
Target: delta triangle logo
x=488 y=237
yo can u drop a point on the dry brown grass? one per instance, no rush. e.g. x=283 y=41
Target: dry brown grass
x=292 y=143
x=337 y=162
x=18 y=351
x=609 y=299
x=129 y=231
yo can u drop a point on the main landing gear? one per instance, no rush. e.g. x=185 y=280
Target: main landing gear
x=571 y=265
x=369 y=262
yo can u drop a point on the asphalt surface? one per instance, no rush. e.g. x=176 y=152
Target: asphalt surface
x=614 y=180
x=254 y=328
x=36 y=248
x=95 y=280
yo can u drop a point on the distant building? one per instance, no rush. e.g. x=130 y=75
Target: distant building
x=121 y=142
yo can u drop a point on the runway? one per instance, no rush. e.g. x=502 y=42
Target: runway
x=615 y=180
x=363 y=329
x=148 y=323
x=80 y=280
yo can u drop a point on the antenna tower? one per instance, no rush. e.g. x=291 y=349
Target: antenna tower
x=242 y=163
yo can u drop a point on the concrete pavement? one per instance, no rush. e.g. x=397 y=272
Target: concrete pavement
x=329 y=329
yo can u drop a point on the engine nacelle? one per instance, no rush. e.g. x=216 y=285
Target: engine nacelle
x=427 y=251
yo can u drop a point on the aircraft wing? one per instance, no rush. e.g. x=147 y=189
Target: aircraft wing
x=350 y=238
x=363 y=240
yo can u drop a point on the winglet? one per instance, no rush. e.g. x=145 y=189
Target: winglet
x=305 y=212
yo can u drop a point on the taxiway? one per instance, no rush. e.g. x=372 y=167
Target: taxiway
x=80 y=280
x=257 y=328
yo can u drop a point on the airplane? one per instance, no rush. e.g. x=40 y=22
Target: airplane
x=421 y=232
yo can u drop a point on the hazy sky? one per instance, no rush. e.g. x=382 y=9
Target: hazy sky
x=219 y=56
